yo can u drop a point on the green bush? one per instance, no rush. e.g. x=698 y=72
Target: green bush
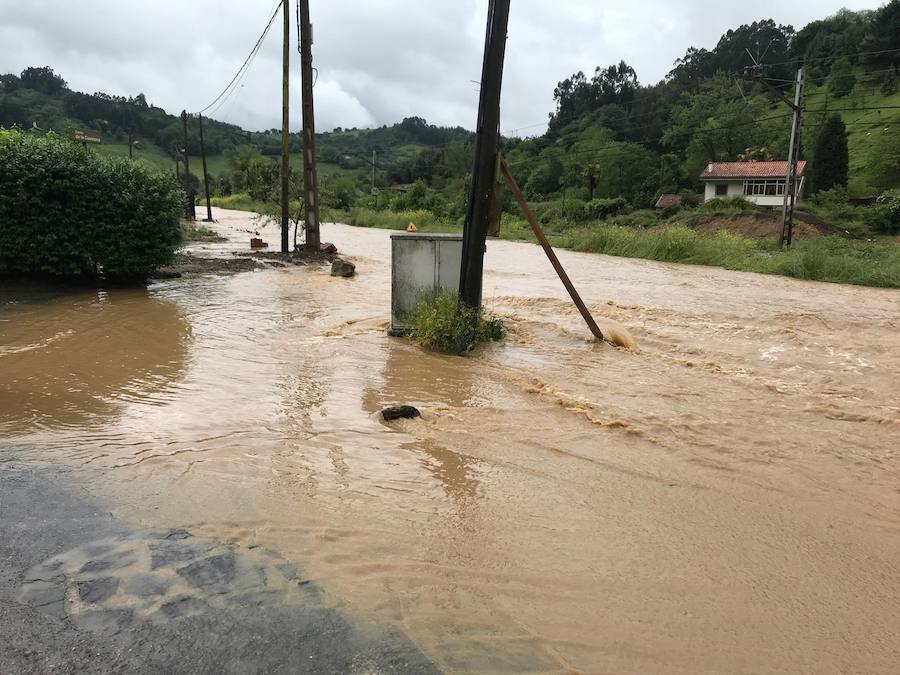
x=559 y=212
x=727 y=205
x=598 y=209
x=884 y=217
x=641 y=218
x=65 y=211
x=444 y=323
x=833 y=206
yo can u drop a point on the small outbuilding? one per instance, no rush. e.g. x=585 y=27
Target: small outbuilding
x=762 y=183
x=669 y=200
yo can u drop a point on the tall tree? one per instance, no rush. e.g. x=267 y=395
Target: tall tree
x=714 y=125
x=883 y=40
x=43 y=80
x=831 y=161
x=842 y=79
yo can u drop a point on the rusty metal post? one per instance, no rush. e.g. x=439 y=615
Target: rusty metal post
x=539 y=233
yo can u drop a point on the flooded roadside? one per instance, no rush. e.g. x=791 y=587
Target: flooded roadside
x=562 y=505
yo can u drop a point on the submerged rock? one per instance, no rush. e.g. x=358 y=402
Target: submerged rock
x=397 y=412
x=342 y=268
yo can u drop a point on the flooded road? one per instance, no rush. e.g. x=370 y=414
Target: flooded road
x=725 y=501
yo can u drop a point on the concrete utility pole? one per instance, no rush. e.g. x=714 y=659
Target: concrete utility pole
x=285 y=129
x=310 y=177
x=192 y=212
x=374 y=166
x=487 y=146
x=790 y=188
x=205 y=172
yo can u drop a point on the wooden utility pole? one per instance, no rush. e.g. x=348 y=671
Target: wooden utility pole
x=487 y=146
x=790 y=188
x=205 y=172
x=285 y=129
x=192 y=212
x=310 y=177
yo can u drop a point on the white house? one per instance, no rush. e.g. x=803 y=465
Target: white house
x=762 y=183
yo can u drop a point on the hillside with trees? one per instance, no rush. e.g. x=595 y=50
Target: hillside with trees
x=609 y=137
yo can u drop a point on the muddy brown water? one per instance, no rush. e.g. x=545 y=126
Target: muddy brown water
x=726 y=501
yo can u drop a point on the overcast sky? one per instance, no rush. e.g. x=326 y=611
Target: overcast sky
x=379 y=60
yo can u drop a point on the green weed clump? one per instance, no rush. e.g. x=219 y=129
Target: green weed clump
x=444 y=323
x=196 y=232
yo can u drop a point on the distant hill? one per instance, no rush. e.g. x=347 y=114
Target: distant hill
x=39 y=97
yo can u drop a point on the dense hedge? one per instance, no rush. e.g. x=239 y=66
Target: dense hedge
x=65 y=211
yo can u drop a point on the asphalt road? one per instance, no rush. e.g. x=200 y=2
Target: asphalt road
x=81 y=592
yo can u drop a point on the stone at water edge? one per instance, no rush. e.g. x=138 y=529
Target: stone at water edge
x=342 y=268
x=398 y=412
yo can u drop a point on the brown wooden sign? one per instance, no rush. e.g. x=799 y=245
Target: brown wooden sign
x=87 y=136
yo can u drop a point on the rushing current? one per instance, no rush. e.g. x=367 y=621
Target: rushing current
x=725 y=499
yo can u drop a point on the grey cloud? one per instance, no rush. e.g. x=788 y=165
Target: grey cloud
x=378 y=61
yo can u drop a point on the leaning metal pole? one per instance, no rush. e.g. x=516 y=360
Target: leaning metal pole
x=551 y=254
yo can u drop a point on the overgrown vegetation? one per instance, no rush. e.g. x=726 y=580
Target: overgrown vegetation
x=67 y=212
x=197 y=232
x=444 y=323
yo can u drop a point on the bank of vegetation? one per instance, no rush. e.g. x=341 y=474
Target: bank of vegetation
x=66 y=212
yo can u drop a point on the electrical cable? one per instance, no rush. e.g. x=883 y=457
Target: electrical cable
x=247 y=61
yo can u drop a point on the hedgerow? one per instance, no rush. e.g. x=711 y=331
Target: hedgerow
x=65 y=211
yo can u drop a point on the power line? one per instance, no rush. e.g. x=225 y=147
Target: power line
x=828 y=58
x=249 y=58
x=860 y=109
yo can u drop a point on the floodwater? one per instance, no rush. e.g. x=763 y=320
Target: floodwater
x=725 y=501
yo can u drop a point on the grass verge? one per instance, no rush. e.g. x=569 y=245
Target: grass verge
x=239 y=201
x=822 y=259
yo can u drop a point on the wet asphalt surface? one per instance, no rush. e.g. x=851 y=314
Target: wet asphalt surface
x=81 y=592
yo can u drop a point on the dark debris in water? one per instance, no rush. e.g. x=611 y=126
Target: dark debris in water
x=398 y=412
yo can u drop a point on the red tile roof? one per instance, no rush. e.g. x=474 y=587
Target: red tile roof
x=749 y=170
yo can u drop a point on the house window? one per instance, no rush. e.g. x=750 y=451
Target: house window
x=767 y=188
x=721 y=189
